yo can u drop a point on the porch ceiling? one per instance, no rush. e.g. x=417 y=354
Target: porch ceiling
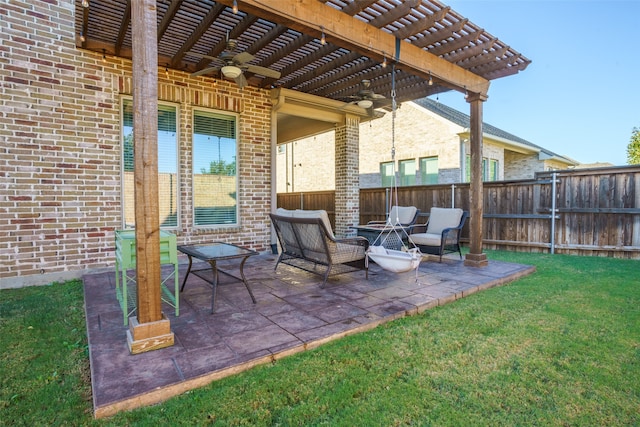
x=435 y=43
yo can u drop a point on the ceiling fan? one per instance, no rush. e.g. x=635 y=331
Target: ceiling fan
x=232 y=65
x=367 y=98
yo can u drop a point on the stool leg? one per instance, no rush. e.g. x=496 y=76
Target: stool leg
x=125 y=297
x=176 y=293
x=184 y=282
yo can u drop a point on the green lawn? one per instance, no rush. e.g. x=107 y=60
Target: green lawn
x=559 y=347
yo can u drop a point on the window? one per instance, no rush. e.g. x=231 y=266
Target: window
x=493 y=170
x=408 y=172
x=167 y=165
x=215 y=176
x=467 y=168
x=429 y=170
x=386 y=172
x=485 y=168
x=490 y=169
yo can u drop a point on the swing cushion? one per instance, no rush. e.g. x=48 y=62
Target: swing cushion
x=395 y=261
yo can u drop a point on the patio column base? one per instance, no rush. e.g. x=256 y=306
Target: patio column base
x=143 y=337
x=476 y=260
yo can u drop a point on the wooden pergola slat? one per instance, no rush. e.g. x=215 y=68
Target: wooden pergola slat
x=197 y=33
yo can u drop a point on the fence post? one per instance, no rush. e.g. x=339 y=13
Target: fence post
x=453 y=195
x=387 y=201
x=553 y=212
x=301 y=200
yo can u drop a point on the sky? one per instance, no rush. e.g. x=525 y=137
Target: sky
x=580 y=96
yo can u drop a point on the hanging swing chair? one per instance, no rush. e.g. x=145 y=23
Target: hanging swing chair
x=405 y=259
x=394 y=260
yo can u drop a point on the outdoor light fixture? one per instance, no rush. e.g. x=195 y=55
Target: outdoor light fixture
x=82 y=37
x=85 y=3
x=430 y=80
x=384 y=60
x=322 y=39
x=365 y=103
x=235 y=7
x=231 y=71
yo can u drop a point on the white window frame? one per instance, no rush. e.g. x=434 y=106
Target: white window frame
x=123 y=195
x=235 y=117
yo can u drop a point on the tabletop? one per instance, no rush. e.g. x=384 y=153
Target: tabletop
x=215 y=251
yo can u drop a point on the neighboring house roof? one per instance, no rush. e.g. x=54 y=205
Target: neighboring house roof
x=463 y=120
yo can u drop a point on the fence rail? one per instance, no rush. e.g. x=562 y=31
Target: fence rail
x=586 y=212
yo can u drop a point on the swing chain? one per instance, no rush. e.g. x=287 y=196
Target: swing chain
x=393 y=137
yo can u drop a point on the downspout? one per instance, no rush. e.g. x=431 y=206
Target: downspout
x=274 y=172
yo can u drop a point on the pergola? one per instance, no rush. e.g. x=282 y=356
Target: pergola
x=322 y=48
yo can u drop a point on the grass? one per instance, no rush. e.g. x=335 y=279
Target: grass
x=559 y=347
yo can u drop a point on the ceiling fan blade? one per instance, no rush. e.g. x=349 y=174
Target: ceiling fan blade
x=243 y=57
x=346 y=104
x=370 y=111
x=213 y=58
x=241 y=81
x=263 y=71
x=381 y=102
x=207 y=70
x=377 y=96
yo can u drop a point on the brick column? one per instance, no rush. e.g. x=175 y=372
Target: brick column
x=347 y=176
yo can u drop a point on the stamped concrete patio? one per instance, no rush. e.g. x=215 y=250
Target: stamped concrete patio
x=292 y=314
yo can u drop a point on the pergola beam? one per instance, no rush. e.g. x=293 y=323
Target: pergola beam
x=351 y=33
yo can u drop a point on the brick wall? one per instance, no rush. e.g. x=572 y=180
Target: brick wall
x=306 y=164
x=60 y=148
x=521 y=166
x=418 y=133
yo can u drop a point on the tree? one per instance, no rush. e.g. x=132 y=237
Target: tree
x=633 y=149
x=220 y=167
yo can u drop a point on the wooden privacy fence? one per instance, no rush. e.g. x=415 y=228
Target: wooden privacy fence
x=581 y=212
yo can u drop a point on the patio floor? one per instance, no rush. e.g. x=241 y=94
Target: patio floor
x=292 y=314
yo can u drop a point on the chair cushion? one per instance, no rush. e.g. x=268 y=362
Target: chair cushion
x=301 y=213
x=284 y=212
x=426 y=239
x=402 y=214
x=441 y=218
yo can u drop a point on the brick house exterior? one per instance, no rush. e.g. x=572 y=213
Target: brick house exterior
x=61 y=156
x=423 y=129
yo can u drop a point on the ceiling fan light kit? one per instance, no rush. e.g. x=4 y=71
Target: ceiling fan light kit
x=231 y=71
x=365 y=103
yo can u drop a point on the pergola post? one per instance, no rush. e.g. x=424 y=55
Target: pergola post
x=150 y=330
x=475 y=257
